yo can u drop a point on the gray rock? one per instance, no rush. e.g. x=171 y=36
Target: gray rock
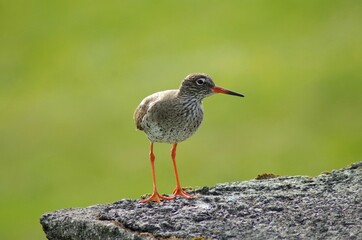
x=328 y=206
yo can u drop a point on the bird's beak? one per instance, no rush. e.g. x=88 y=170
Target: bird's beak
x=217 y=89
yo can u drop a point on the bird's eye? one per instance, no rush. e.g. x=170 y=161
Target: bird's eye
x=200 y=81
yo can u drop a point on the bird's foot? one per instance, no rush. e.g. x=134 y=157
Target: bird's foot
x=179 y=192
x=156 y=197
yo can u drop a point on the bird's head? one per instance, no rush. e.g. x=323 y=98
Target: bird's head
x=200 y=85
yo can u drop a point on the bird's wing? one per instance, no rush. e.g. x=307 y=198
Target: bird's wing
x=153 y=105
x=142 y=110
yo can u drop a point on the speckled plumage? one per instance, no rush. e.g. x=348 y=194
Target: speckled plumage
x=172 y=116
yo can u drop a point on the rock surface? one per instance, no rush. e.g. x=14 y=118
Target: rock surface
x=328 y=206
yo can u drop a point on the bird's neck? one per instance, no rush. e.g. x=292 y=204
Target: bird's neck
x=189 y=97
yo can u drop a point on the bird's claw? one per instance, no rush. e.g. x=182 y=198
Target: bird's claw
x=182 y=193
x=156 y=197
x=177 y=192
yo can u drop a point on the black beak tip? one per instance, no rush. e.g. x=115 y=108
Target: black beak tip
x=236 y=94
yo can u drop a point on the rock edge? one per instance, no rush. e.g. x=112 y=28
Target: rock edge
x=328 y=206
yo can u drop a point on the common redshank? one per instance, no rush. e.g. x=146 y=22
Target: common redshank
x=172 y=116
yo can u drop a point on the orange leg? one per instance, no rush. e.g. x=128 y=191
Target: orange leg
x=155 y=195
x=178 y=190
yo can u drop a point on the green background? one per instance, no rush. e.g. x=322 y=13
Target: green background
x=72 y=73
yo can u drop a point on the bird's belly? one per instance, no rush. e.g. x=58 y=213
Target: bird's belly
x=172 y=131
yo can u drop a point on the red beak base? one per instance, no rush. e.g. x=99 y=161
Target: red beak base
x=217 y=89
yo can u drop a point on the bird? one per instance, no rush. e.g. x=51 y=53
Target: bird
x=172 y=116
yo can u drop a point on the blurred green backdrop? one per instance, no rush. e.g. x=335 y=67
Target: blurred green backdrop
x=72 y=73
